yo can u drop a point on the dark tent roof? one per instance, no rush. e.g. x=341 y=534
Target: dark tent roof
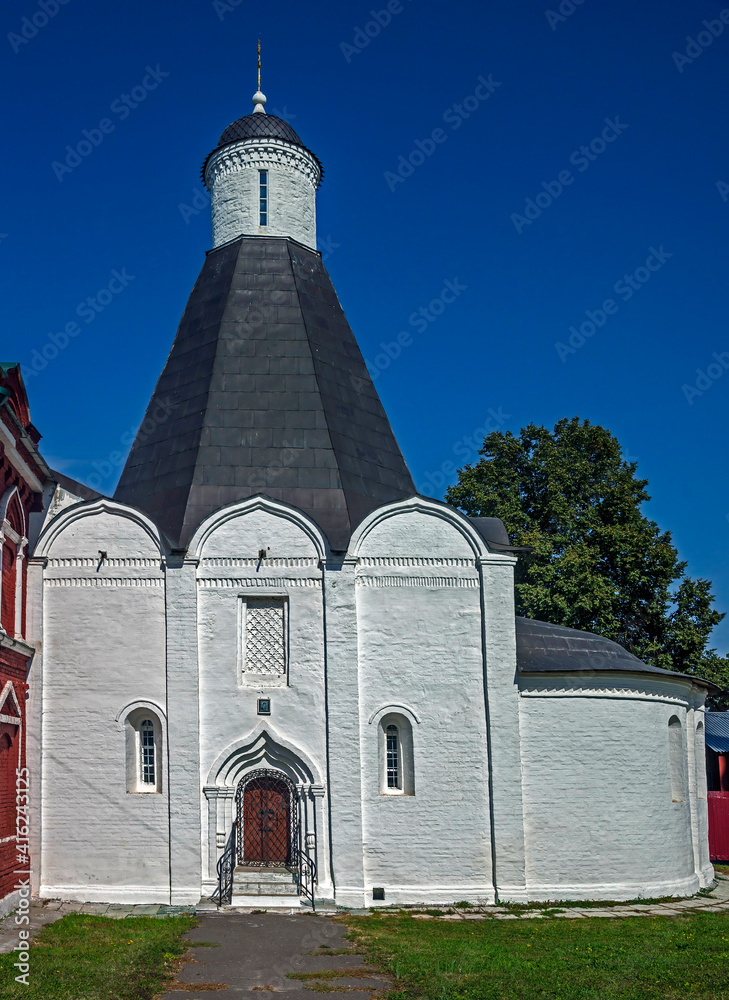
x=265 y=391
x=717 y=731
x=541 y=647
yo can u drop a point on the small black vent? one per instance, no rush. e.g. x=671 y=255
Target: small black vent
x=378 y=894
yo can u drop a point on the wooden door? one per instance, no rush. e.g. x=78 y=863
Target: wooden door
x=266 y=822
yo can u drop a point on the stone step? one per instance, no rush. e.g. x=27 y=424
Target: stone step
x=265 y=889
x=282 y=904
x=271 y=876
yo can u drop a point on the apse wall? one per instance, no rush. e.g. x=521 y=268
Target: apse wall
x=103 y=660
x=611 y=787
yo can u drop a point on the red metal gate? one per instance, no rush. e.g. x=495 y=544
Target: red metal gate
x=718 y=825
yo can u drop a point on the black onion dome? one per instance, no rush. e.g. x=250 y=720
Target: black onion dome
x=261 y=126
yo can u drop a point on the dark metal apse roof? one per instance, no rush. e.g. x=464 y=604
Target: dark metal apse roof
x=265 y=391
x=541 y=647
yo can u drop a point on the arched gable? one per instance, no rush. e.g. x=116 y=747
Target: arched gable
x=87 y=528
x=242 y=529
x=417 y=527
x=262 y=747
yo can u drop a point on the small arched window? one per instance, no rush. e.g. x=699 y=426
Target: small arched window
x=677 y=759
x=394 y=772
x=146 y=745
x=143 y=752
x=396 y=756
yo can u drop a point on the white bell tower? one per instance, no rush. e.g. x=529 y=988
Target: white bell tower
x=262 y=180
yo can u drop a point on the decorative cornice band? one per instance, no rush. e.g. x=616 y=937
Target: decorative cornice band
x=433 y=582
x=269 y=561
x=258 y=153
x=643 y=693
x=105 y=581
x=228 y=583
x=92 y=563
x=414 y=561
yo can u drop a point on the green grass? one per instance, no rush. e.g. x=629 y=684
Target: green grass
x=623 y=958
x=83 y=957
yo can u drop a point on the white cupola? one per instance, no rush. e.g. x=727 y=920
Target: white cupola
x=262 y=180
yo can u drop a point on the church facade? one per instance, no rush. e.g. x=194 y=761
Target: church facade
x=269 y=670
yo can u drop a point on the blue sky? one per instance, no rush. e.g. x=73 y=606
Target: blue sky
x=515 y=92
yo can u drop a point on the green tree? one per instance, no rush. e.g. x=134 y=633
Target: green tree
x=597 y=562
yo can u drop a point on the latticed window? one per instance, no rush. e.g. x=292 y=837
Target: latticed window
x=393 y=757
x=265 y=636
x=146 y=742
x=263 y=186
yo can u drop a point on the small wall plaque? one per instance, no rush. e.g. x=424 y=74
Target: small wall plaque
x=264 y=706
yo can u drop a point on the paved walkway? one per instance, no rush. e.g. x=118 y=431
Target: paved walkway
x=277 y=947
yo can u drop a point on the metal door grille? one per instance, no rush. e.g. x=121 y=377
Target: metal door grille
x=268 y=820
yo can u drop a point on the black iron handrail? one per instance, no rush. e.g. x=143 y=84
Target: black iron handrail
x=305 y=874
x=226 y=869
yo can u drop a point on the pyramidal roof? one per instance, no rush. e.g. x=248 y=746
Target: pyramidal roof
x=265 y=391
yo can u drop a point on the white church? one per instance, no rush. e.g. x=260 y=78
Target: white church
x=270 y=672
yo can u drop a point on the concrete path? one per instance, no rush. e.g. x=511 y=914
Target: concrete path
x=260 y=953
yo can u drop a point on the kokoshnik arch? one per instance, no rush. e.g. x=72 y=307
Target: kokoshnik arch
x=290 y=668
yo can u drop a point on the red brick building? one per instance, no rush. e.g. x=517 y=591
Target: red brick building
x=24 y=477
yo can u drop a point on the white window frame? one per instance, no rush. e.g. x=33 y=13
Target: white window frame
x=405 y=753
x=136 y=785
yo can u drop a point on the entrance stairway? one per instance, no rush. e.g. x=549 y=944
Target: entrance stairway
x=267 y=887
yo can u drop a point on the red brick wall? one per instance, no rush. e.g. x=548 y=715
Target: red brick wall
x=13 y=667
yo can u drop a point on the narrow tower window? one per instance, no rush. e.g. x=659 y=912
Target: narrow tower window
x=677 y=759
x=146 y=743
x=393 y=757
x=263 y=176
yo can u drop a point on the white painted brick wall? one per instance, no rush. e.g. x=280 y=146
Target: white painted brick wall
x=581 y=785
x=233 y=178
